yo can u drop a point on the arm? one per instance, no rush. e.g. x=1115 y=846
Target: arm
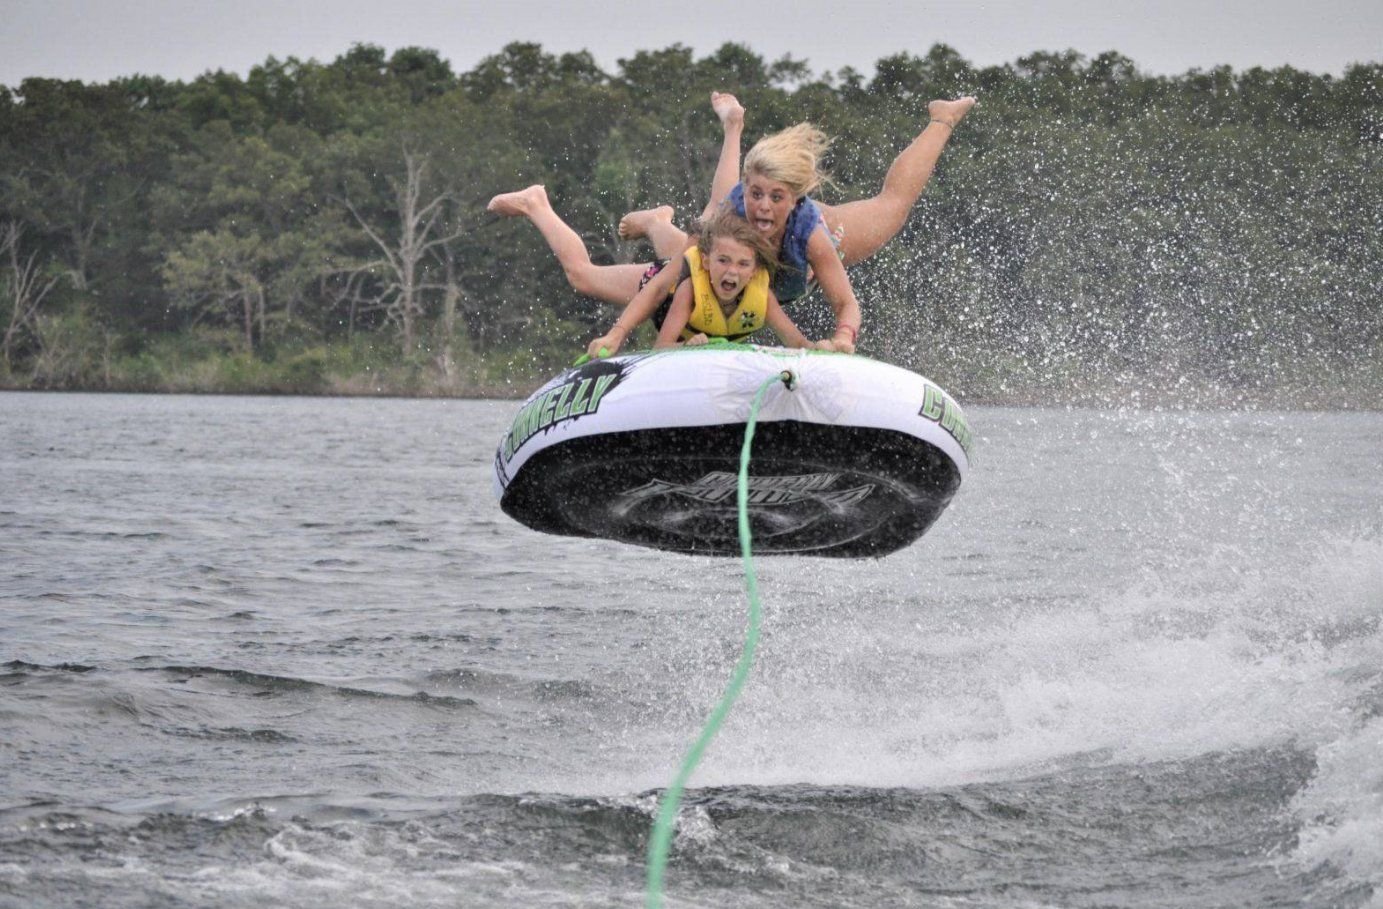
x=728 y=165
x=783 y=326
x=830 y=274
x=677 y=315
x=644 y=304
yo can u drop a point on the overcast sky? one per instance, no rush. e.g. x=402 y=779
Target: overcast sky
x=97 y=40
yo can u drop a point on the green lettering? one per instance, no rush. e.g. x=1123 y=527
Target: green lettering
x=948 y=419
x=549 y=401
x=602 y=383
x=516 y=432
x=932 y=403
x=579 y=402
x=530 y=419
x=563 y=408
x=568 y=400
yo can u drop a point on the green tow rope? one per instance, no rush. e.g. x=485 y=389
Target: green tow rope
x=667 y=811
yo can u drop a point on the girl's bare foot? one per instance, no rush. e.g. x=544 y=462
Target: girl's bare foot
x=636 y=224
x=519 y=203
x=727 y=108
x=950 y=112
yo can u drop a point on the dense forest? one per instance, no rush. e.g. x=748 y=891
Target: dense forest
x=1093 y=234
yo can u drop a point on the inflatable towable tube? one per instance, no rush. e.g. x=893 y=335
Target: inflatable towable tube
x=855 y=458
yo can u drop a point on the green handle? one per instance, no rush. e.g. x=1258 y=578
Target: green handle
x=586 y=358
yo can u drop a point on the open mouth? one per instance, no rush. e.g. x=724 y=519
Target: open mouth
x=728 y=286
x=764 y=225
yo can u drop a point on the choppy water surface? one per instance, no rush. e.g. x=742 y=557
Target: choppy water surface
x=270 y=651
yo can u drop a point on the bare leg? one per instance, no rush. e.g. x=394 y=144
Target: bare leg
x=615 y=284
x=731 y=115
x=669 y=241
x=865 y=225
x=641 y=223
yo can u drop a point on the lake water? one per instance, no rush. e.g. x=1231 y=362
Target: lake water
x=289 y=652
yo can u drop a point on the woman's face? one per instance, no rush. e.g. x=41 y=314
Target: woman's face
x=731 y=265
x=767 y=204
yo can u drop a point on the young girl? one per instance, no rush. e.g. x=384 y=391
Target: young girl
x=721 y=290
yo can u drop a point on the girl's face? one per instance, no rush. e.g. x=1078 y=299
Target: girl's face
x=731 y=265
x=767 y=204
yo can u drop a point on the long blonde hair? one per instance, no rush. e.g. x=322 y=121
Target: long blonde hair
x=791 y=157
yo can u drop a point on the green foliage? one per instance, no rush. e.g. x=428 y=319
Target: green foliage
x=320 y=227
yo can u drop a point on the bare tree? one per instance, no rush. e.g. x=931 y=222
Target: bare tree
x=25 y=286
x=349 y=286
x=451 y=296
x=420 y=221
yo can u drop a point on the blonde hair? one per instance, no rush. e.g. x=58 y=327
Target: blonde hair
x=791 y=157
x=725 y=223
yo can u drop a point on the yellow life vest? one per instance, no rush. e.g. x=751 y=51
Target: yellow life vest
x=709 y=319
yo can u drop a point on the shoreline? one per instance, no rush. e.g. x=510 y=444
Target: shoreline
x=1200 y=400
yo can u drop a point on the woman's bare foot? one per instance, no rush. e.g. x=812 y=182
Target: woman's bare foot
x=727 y=108
x=637 y=224
x=950 y=112
x=523 y=202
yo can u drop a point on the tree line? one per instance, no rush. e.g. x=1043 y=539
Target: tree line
x=1091 y=229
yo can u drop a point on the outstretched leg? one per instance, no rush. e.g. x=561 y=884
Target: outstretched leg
x=669 y=241
x=864 y=226
x=731 y=115
x=615 y=284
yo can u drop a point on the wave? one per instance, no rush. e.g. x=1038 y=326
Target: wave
x=104 y=686
x=1215 y=656
x=1189 y=833
x=270 y=685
